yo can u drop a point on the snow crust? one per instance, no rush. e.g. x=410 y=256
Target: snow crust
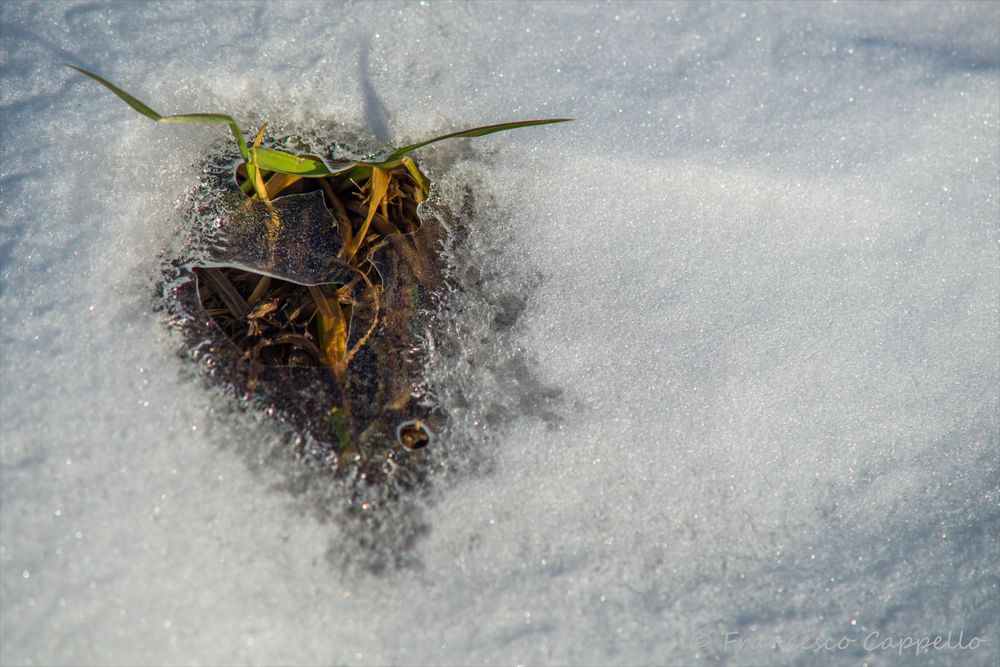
x=727 y=345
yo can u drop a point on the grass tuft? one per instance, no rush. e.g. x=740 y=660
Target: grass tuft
x=277 y=322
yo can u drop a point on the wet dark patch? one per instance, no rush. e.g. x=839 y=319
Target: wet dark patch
x=372 y=479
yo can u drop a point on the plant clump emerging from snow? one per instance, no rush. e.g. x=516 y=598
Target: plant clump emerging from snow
x=329 y=276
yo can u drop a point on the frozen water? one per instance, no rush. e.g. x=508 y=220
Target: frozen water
x=723 y=358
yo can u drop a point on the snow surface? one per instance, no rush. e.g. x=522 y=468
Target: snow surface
x=726 y=360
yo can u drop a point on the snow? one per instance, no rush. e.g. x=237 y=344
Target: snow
x=725 y=353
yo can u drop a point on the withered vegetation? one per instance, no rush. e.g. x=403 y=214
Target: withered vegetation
x=360 y=331
x=339 y=346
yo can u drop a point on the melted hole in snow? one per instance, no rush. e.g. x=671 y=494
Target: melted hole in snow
x=254 y=294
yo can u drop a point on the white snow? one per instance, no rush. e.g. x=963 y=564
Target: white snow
x=753 y=389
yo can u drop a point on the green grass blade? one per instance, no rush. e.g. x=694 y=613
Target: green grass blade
x=298 y=165
x=474 y=132
x=211 y=118
x=132 y=102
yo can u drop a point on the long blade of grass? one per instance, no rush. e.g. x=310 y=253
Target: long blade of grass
x=300 y=341
x=254 y=175
x=339 y=212
x=423 y=183
x=277 y=182
x=377 y=307
x=332 y=329
x=474 y=132
x=378 y=185
x=210 y=118
x=298 y=165
x=262 y=286
x=230 y=297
